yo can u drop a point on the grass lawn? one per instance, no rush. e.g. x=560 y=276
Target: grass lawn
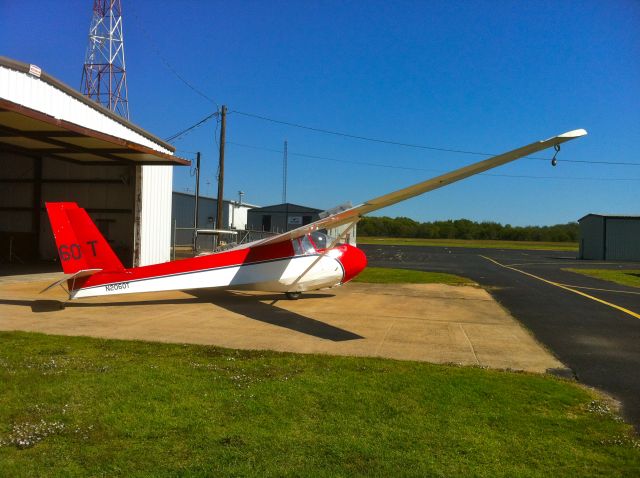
x=383 y=275
x=525 y=245
x=73 y=406
x=620 y=276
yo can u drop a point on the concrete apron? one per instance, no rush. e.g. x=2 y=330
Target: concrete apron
x=426 y=322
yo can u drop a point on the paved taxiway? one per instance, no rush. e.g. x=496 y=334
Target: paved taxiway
x=434 y=323
x=599 y=342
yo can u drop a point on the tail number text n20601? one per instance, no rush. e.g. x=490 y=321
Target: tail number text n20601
x=113 y=287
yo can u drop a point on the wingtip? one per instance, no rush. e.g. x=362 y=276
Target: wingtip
x=576 y=133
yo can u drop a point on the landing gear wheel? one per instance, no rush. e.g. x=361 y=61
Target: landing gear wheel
x=293 y=295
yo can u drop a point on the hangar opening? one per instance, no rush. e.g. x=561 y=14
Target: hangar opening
x=57 y=145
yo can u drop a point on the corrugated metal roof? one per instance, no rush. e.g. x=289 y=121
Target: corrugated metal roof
x=612 y=216
x=283 y=208
x=39 y=114
x=230 y=201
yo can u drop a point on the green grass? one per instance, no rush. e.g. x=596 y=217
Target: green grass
x=73 y=406
x=524 y=245
x=619 y=276
x=383 y=275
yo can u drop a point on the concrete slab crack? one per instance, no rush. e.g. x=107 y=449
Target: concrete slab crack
x=473 y=350
x=384 y=339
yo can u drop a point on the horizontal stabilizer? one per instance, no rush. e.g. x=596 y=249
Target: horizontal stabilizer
x=68 y=277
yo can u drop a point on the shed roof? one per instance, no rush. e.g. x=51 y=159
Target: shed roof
x=41 y=115
x=202 y=196
x=610 y=216
x=282 y=208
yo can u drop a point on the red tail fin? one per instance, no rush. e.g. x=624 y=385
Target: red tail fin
x=80 y=244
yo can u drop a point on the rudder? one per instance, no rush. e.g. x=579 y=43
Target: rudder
x=79 y=243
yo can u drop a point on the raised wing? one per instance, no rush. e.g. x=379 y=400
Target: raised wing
x=355 y=213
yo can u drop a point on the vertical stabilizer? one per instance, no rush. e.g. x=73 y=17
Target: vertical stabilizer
x=79 y=243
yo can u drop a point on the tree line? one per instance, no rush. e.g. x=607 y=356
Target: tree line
x=465 y=229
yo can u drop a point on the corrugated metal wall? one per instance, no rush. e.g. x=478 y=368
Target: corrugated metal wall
x=592 y=238
x=623 y=239
x=233 y=217
x=610 y=238
x=155 y=215
x=183 y=212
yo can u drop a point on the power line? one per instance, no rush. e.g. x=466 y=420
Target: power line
x=178 y=135
x=354 y=136
x=166 y=63
x=380 y=165
x=416 y=146
x=156 y=50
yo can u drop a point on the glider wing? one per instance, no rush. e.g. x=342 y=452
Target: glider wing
x=355 y=213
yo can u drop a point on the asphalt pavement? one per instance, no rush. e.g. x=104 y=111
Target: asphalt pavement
x=591 y=325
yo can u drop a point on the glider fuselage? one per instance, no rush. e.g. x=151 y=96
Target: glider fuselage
x=292 y=266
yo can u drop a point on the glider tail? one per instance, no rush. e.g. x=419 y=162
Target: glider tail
x=80 y=244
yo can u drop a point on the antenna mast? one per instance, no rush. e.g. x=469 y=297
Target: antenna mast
x=104 y=77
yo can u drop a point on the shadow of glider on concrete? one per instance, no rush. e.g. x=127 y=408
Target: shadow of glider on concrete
x=251 y=306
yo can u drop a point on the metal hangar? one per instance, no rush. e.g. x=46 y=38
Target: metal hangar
x=610 y=237
x=58 y=145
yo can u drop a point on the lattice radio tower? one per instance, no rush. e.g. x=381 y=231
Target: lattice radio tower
x=104 y=76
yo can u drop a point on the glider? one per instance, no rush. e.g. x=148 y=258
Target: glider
x=292 y=262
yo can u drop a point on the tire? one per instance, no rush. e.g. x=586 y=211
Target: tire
x=293 y=295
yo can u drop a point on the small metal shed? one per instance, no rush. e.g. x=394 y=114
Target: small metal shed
x=281 y=217
x=610 y=237
x=234 y=215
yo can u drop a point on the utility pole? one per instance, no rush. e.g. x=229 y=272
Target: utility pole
x=223 y=124
x=284 y=174
x=284 y=185
x=195 y=217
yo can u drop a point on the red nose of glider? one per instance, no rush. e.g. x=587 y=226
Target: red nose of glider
x=353 y=261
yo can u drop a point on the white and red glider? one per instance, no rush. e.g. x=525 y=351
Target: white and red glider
x=292 y=262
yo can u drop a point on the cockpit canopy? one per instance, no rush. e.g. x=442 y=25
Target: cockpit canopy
x=311 y=243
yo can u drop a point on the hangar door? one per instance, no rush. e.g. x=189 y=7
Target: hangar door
x=623 y=239
x=28 y=181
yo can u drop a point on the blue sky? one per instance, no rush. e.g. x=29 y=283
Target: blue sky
x=483 y=76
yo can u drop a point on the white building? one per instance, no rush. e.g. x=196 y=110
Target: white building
x=234 y=215
x=57 y=145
